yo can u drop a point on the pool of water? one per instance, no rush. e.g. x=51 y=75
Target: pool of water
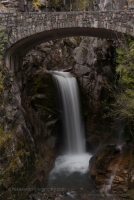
x=71 y=172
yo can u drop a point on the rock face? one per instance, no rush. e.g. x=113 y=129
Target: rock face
x=53 y=55
x=110 y=5
x=29 y=133
x=35 y=125
x=64 y=5
x=38 y=100
x=93 y=65
x=94 y=68
x=112 y=170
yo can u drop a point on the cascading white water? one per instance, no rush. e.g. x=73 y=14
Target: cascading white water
x=71 y=114
x=71 y=168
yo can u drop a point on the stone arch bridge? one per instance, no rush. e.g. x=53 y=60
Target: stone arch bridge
x=26 y=30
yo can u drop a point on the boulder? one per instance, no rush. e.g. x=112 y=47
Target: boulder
x=109 y=170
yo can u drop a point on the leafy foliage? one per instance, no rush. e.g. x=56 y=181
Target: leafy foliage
x=123 y=107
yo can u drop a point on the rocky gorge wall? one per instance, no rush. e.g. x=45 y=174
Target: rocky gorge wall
x=28 y=146
x=91 y=61
x=37 y=126
x=30 y=134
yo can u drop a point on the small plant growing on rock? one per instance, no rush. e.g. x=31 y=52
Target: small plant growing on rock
x=36 y=4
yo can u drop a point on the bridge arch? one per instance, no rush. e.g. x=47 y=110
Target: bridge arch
x=15 y=53
x=26 y=30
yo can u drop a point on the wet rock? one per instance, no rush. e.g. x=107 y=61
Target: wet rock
x=93 y=70
x=51 y=142
x=110 y=166
x=94 y=140
x=82 y=70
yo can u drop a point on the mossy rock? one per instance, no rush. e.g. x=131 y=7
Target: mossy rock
x=42 y=83
x=41 y=90
x=16 y=159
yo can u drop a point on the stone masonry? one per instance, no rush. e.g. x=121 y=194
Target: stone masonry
x=21 y=25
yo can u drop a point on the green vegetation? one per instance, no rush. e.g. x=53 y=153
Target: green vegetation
x=36 y=4
x=124 y=97
x=121 y=94
x=57 y=2
x=15 y=160
x=68 y=4
x=4 y=138
x=43 y=83
x=40 y=84
x=84 y=4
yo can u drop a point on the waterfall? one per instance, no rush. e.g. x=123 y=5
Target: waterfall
x=71 y=168
x=71 y=114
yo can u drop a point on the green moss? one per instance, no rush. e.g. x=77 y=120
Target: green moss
x=84 y=4
x=36 y=4
x=15 y=159
x=4 y=139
